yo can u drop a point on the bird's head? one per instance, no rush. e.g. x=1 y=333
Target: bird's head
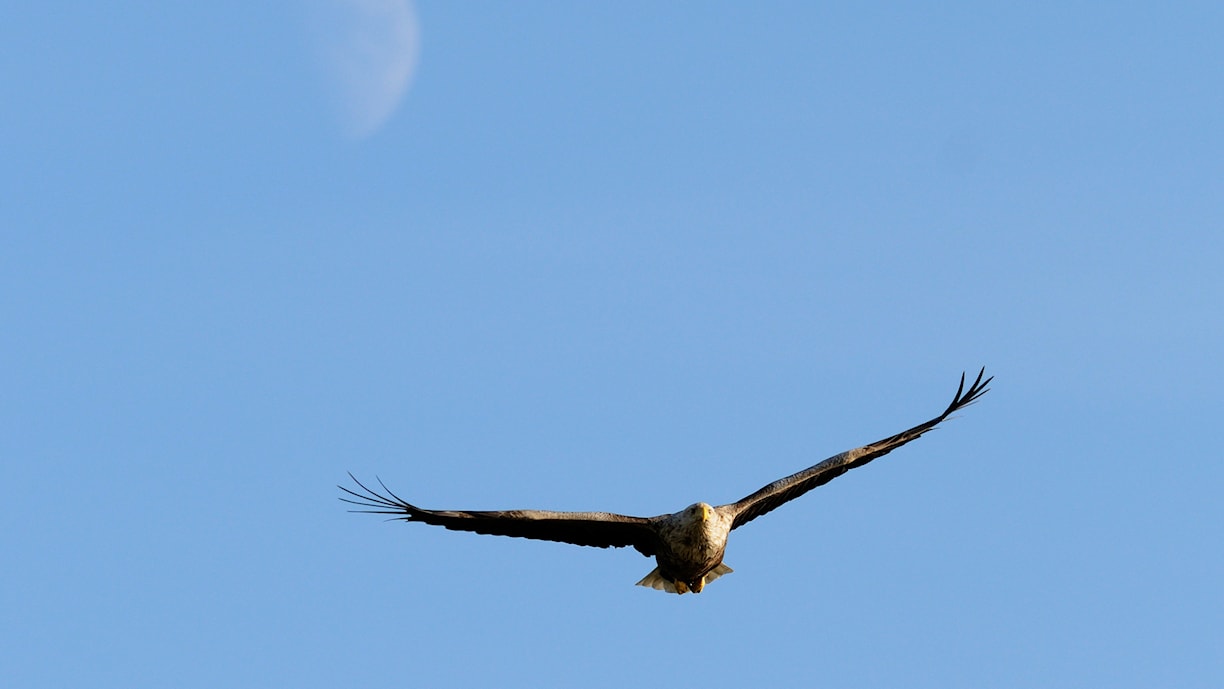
x=698 y=513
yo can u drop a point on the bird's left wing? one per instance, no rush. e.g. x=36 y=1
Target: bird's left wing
x=598 y=529
x=784 y=490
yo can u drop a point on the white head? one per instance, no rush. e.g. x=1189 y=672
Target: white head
x=698 y=513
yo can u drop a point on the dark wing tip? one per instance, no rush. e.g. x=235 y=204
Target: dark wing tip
x=375 y=502
x=965 y=397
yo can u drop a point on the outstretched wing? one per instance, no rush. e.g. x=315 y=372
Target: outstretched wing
x=784 y=490
x=598 y=529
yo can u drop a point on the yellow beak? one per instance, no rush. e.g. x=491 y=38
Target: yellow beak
x=705 y=513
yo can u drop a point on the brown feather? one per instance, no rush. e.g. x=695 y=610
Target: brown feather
x=784 y=490
x=597 y=529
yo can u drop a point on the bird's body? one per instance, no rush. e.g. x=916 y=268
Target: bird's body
x=688 y=545
x=691 y=546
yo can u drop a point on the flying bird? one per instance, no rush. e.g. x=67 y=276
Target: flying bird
x=688 y=545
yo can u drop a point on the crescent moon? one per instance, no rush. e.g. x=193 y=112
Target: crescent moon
x=368 y=50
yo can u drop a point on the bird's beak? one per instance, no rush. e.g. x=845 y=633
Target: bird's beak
x=705 y=513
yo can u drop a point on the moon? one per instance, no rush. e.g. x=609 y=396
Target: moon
x=368 y=53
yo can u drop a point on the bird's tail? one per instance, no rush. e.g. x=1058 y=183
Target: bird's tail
x=657 y=582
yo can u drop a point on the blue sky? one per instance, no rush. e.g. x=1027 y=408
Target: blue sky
x=617 y=257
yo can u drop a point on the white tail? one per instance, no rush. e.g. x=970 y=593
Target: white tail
x=658 y=583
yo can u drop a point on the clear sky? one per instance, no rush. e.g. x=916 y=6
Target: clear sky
x=615 y=256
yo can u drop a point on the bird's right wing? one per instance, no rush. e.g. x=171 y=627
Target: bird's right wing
x=784 y=490
x=598 y=529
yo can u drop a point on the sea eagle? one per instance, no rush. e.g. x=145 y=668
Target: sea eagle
x=688 y=545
